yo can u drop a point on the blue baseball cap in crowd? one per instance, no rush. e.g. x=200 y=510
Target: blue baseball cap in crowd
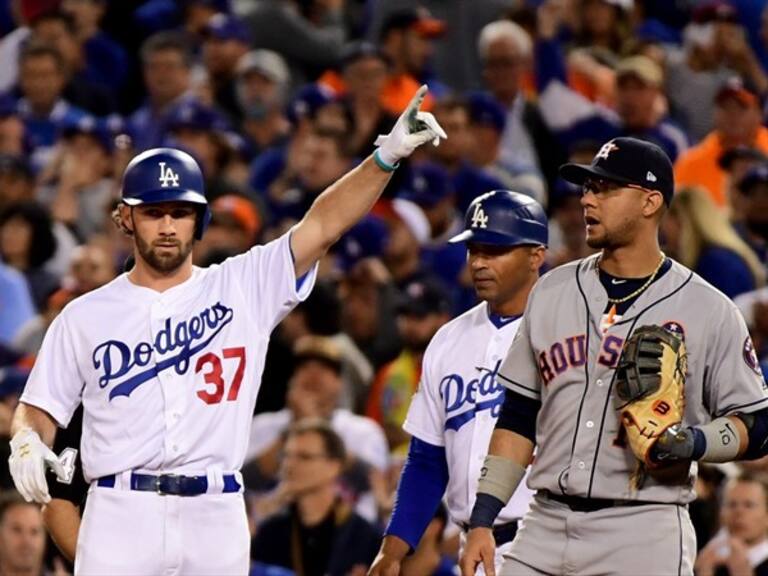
x=194 y=115
x=427 y=184
x=424 y=296
x=307 y=101
x=485 y=109
x=754 y=176
x=358 y=50
x=368 y=238
x=627 y=160
x=227 y=27
x=98 y=128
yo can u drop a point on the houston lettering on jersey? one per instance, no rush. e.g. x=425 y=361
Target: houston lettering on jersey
x=116 y=359
x=571 y=353
x=483 y=393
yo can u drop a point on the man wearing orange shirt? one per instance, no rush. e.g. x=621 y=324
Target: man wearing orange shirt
x=738 y=122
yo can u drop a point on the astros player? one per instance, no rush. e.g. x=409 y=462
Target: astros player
x=455 y=409
x=167 y=361
x=588 y=516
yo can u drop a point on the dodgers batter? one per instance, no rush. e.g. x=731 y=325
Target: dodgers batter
x=454 y=411
x=167 y=362
x=588 y=516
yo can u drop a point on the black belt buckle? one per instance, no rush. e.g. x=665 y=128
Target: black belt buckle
x=168 y=484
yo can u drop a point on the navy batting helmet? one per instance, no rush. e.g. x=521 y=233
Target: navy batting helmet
x=504 y=218
x=166 y=175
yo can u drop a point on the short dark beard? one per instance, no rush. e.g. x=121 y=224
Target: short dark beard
x=160 y=264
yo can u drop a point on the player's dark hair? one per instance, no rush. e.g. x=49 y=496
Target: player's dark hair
x=38 y=49
x=43 y=243
x=164 y=41
x=9 y=499
x=332 y=442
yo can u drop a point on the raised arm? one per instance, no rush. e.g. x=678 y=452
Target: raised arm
x=346 y=201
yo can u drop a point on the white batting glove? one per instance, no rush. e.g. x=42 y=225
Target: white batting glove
x=411 y=130
x=29 y=457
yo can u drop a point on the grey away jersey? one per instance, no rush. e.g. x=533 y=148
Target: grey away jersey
x=563 y=358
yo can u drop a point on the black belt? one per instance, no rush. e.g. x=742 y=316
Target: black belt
x=172 y=484
x=502 y=533
x=579 y=504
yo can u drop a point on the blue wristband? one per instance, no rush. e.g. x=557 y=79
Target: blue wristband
x=383 y=165
x=699 y=443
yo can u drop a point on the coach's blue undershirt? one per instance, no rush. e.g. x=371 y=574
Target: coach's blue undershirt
x=421 y=487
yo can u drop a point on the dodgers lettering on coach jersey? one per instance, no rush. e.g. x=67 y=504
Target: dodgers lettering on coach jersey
x=564 y=358
x=458 y=402
x=170 y=384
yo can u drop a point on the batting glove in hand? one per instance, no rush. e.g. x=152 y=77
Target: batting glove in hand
x=29 y=457
x=411 y=130
x=673 y=445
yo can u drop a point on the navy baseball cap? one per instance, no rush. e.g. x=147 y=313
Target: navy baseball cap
x=195 y=116
x=424 y=296
x=368 y=238
x=485 y=109
x=627 y=160
x=359 y=50
x=98 y=128
x=414 y=18
x=427 y=185
x=227 y=27
x=307 y=101
x=754 y=176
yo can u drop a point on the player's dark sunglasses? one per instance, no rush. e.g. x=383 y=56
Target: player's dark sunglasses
x=601 y=186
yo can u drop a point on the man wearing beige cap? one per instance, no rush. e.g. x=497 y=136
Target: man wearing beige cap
x=640 y=107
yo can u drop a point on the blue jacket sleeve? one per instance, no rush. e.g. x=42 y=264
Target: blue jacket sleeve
x=421 y=487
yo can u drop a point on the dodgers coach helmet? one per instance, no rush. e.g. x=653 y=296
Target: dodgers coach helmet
x=166 y=175
x=504 y=218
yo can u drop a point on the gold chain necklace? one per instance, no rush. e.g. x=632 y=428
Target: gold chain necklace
x=639 y=290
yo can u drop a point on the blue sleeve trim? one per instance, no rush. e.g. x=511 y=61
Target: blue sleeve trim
x=300 y=280
x=421 y=487
x=758 y=435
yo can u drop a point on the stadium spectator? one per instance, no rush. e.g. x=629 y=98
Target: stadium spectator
x=85 y=87
x=22 y=536
x=42 y=107
x=262 y=91
x=468 y=181
x=313 y=392
x=506 y=52
x=700 y=236
x=741 y=547
x=318 y=533
x=27 y=243
x=424 y=308
x=407 y=37
x=225 y=41
x=737 y=123
x=106 y=61
x=167 y=67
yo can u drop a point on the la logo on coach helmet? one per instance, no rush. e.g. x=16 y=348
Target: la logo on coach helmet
x=167 y=176
x=479 y=219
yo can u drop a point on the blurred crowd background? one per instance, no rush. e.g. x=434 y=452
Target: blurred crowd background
x=276 y=99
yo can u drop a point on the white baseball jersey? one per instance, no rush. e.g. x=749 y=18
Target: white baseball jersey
x=168 y=380
x=458 y=402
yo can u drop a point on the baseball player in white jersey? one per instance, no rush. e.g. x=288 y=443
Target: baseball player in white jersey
x=591 y=513
x=167 y=362
x=455 y=409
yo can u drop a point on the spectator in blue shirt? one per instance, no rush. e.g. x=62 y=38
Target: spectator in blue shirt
x=42 y=107
x=16 y=307
x=167 y=65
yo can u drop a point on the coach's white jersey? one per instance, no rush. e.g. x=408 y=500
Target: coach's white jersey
x=458 y=402
x=168 y=379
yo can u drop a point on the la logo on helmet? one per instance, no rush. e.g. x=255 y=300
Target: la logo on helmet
x=167 y=176
x=479 y=219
